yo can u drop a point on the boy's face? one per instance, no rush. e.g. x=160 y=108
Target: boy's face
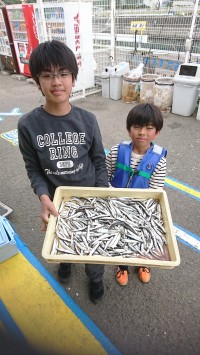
x=142 y=136
x=56 y=85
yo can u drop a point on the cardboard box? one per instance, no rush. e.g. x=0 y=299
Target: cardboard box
x=67 y=192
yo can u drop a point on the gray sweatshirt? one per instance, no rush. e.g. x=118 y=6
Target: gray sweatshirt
x=62 y=150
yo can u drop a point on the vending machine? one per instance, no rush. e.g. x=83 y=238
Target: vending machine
x=24 y=33
x=71 y=23
x=7 y=52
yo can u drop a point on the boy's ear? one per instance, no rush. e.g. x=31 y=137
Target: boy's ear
x=128 y=132
x=73 y=83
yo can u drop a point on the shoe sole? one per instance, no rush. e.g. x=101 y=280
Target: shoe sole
x=121 y=284
x=144 y=282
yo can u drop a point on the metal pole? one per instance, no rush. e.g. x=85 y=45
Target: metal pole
x=112 y=29
x=82 y=49
x=191 y=31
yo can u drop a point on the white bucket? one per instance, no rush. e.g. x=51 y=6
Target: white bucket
x=163 y=93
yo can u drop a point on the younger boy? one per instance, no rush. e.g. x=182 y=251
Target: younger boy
x=139 y=163
x=61 y=144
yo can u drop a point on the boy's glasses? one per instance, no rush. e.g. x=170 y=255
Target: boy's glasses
x=50 y=76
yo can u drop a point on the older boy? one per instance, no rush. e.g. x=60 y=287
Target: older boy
x=61 y=144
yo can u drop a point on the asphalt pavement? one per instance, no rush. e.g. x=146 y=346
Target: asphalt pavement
x=162 y=317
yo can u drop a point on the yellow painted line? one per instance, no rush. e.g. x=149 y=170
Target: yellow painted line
x=183 y=187
x=42 y=316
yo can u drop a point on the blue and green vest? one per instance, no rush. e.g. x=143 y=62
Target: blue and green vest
x=125 y=176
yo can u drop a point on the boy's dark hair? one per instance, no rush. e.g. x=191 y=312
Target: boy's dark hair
x=143 y=115
x=52 y=54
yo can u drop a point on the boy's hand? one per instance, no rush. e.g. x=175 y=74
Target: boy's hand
x=47 y=209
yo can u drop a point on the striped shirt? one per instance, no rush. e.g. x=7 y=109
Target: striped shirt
x=156 y=180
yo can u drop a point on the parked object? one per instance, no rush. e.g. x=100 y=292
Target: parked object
x=130 y=89
x=70 y=23
x=147 y=84
x=198 y=113
x=105 y=83
x=24 y=35
x=111 y=80
x=8 y=247
x=163 y=93
x=7 y=52
x=186 y=89
x=116 y=80
x=120 y=69
x=131 y=84
x=115 y=87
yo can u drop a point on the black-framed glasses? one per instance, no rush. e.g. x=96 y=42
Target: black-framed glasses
x=50 y=76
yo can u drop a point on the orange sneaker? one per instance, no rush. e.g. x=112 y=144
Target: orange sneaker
x=122 y=277
x=144 y=274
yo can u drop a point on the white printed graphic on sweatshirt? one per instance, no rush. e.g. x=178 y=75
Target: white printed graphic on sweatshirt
x=65 y=172
x=63 y=149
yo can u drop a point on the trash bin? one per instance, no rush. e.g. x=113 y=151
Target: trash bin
x=130 y=88
x=105 y=84
x=163 y=93
x=116 y=80
x=198 y=113
x=147 y=83
x=105 y=81
x=115 y=87
x=186 y=89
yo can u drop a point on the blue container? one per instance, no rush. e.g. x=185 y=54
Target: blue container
x=8 y=246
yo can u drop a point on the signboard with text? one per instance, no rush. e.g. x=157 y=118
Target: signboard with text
x=138 y=25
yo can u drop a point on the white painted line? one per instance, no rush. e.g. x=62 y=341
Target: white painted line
x=14 y=112
x=11 y=113
x=190 y=239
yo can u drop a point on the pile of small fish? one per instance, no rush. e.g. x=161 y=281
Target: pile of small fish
x=110 y=227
